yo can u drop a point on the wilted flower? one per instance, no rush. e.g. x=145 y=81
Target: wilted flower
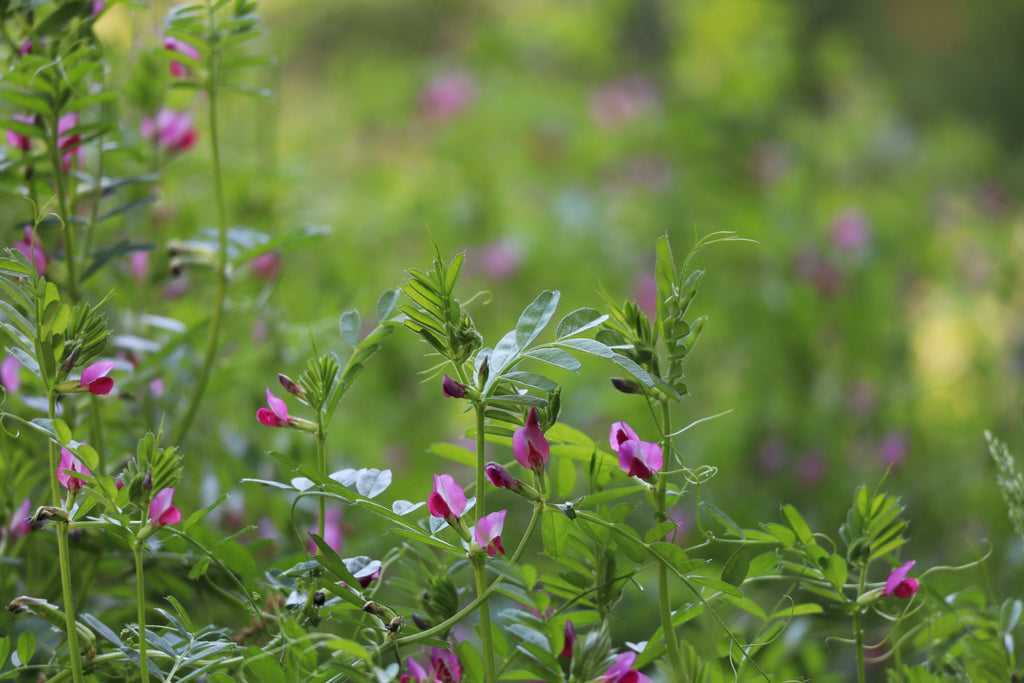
x=488 y=532
x=451 y=388
x=447 y=96
x=529 y=445
x=172 y=130
x=162 y=509
x=639 y=458
x=179 y=70
x=17 y=140
x=69 y=464
x=448 y=500
x=899 y=584
x=622 y=672
x=94 y=378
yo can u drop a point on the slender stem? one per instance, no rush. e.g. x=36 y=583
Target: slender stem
x=64 y=558
x=65 y=211
x=96 y=432
x=220 y=296
x=486 y=642
x=321 y=466
x=480 y=407
x=140 y=600
x=858 y=631
x=664 y=587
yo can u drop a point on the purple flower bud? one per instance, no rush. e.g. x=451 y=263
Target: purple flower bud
x=500 y=477
x=451 y=388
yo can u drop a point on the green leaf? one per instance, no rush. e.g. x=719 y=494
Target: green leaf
x=736 y=567
x=26 y=647
x=717 y=585
x=732 y=527
x=199 y=568
x=351 y=327
x=797 y=611
x=386 y=304
x=532 y=379
x=469 y=657
x=798 y=524
x=262 y=666
x=350 y=647
x=658 y=533
x=786 y=537
x=5 y=649
x=199 y=514
x=578 y=321
x=373 y=482
x=61 y=431
x=452 y=452
x=535 y=318
x=555 y=532
x=591 y=346
x=556 y=357
x=835 y=570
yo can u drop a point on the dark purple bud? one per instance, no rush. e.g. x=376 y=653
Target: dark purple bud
x=451 y=388
x=147 y=483
x=570 y=639
x=626 y=386
x=500 y=477
x=421 y=623
x=319 y=598
x=290 y=386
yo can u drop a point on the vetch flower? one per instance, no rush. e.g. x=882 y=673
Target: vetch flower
x=276 y=415
x=448 y=500
x=488 y=532
x=498 y=475
x=17 y=140
x=172 y=130
x=162 y=509
x=19 y=524
x=445 y=666
x=179 y=70
x=68 y=145
x=332 y=533
x=33 y=250
x=415 y=669
x=94 y=378
x=899 y=584
x=529 y=445
x=70 y=464
x=639 y=458
x=10 y=374
x=570 y=639
x=622 y=672
x=451 y=388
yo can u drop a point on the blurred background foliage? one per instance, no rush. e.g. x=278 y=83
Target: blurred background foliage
x=872 y=149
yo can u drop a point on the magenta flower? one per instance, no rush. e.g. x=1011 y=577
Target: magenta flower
x=415 y=670
x=172 y=130
x=276 y=415
x=488 y=532
x=33 y=250
x=139 y=263
x=451 y=388
x=622 y=672
x=19 y=524
x=570 y=639
x=899 y=584
x=448 y=500
x=267 y=266
x=179 y=70
x=69 y=145
x=447 y=96
x=17 y=140
x=10 y=374
x=639 y=458
x=95 y=380
x=162 y=509
x=497 y=475
x=70 y=464
x=529 y=445
x=445 y=666
x=332 y=534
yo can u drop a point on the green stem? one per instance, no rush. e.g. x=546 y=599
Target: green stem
x=213 y=336
x=321 y=465
x=64 y=558
x=858 y=631
x=140 y=599
x=480 y=407
x=65 y=217
x=486 y=642
x=664 y=587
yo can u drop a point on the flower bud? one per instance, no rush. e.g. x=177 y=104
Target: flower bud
x=421 y=623
x=451 y=388
x=291 y=387
x=483 y=373
x=626 y=386
x=319 y=598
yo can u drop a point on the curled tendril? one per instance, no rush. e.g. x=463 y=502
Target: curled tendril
x=699 y=475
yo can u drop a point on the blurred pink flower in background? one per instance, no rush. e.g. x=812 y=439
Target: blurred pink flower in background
x=139 y=264
x=499 y=260
x=447 y=96
x=772 y=455
x=266 y=266
x=19 y=524
x=810 y=266
x=893 y=449
x=179 y=70
x=850 y=231
x=683 y=519
x=172 y=130
x=862 y=398
x=33 y=250
x=176 y=287
x=333 y=534
x=17 y=140
x=645 y=293
x=769 y=163
x=810 y=469
x=623 y=100
x=10 y=374
x=69 y=145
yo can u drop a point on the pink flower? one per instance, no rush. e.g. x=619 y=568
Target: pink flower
x=277 y=415
x=488 y=532
x=19 y=524
x=499 y=260
x=179 y=70
x=499 y=476
x=899 y=584
x=622 y=672
x=33 y=250
x=69 y=145
x=850 y=231
x=892 y=451
x=415 y=670
x=451 y=388
x=444 y=666
x=172 y=130
x=162 y=509
x=448 y=500
x=69 y=463
x=645 y=293
x=623 y=100
x=266 y=266
x=332 y=535
x=17 y=140
x=139 y=264
x=447 y=96
x=639 y=458
x=10 y=371
x=94 y=378
x=529 y=445
x=97 y=7
x=570 y=639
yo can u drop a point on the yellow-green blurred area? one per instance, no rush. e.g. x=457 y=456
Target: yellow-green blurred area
x=872 y=150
